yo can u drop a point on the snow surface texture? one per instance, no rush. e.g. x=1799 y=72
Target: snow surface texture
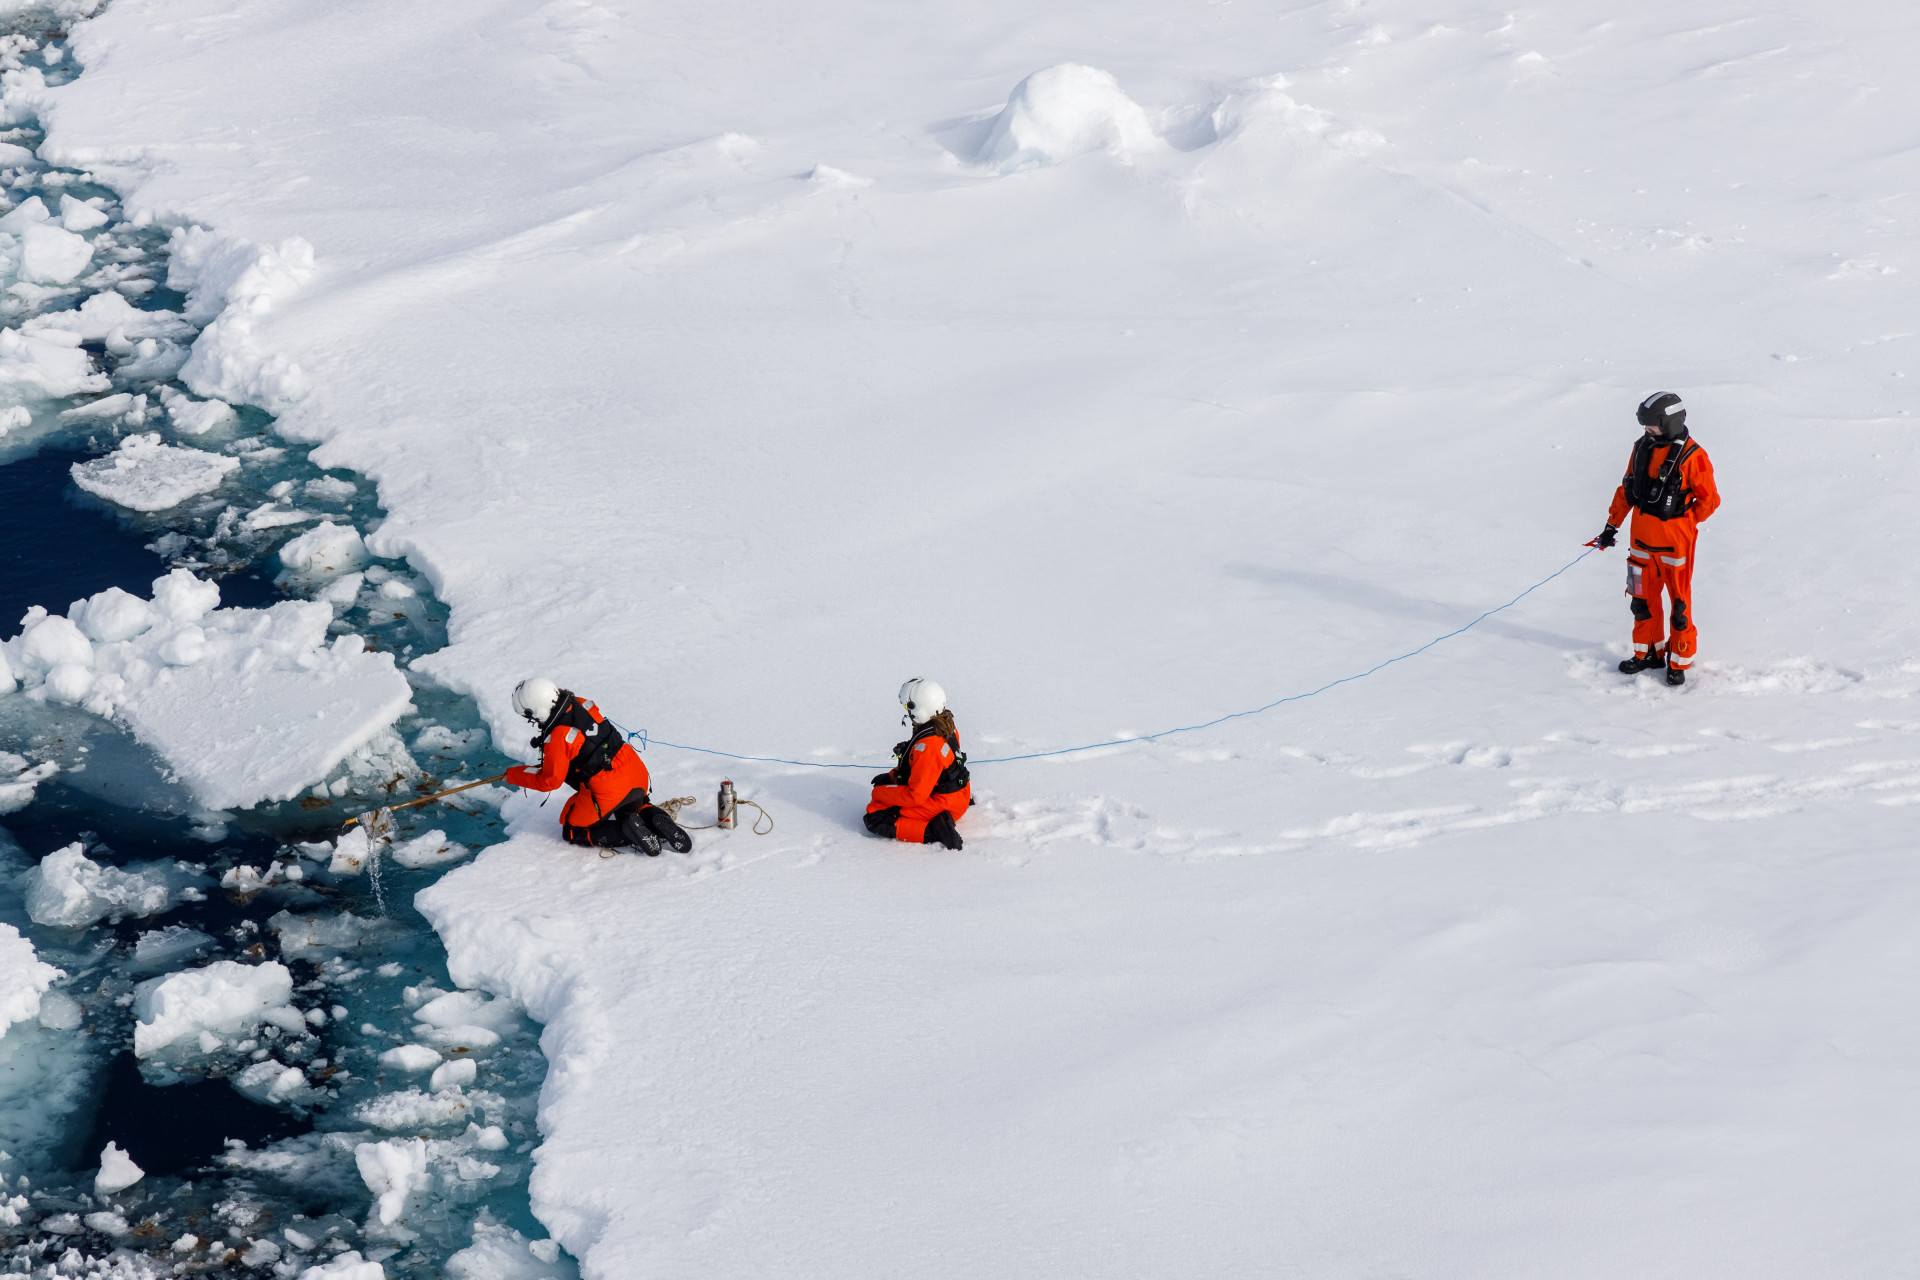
x=245 y=705
x=889 y=350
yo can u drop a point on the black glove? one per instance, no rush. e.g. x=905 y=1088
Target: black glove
x=882 y=779
x=1606 y=538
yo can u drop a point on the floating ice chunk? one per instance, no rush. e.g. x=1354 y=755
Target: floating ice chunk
x=24 y=977
x=222 y=998
x=20 y=776
x=30 y=212
x=457 y=1074
x=145 y=475
x=498 y=1252
x=271 y=515
x=60 y=1012
x=410 y=1057
x=95 y=410
x=459 y=742
x=169 y=948
x=392 y=1170
x=117 y=1171
x=430 y=850
x=78 y=215
x=275 y=1084
x=68 y=890
x=1063 y=112
x=46 y=365
x=343 y=591
x=106 y=316
x=470 y=1009
x=320 y=935
x=15 y=416
x=195 y=417
x=323 y=550
x=108 y=1224
x=113 y=615
x=348 y=1266
x=406 y=1110
x=52 y=255
x=245 y=705
x=331 y=489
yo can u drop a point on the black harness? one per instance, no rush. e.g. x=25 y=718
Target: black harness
x=952 y=778
x=1661 y=496
x=595 y=755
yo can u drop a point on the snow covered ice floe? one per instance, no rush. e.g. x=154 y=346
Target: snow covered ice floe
x=245 y=705
x=191 y=1011
x=146 y=475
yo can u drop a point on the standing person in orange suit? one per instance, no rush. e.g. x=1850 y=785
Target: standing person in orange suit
x=1669 y=487
x=579 y=747
x=927 y=788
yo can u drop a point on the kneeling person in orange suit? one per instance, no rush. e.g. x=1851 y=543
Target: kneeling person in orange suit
x=1669 y=487
x=609 y=806
x=928 y=786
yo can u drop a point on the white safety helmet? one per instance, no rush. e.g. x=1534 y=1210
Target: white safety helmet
x=923 y=699
x=534 y=698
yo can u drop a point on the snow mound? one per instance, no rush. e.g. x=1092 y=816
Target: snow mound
x=145 y=475
x=245 y=705
x=68 y=890
x=24 y=978
x=221 y=999
x=498 y=1252
x=1062 y=112
x=169 y=948
x=230 y=283
x=194 y=417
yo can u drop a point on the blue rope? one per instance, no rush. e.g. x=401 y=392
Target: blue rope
x=1150 y=737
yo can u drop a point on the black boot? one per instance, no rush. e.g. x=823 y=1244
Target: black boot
x=942 y=831
x=1676 y=675
x=635 y=829
x=669 y=831
x=1643 y=662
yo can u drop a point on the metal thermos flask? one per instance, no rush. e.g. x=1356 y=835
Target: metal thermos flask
x=727 y=817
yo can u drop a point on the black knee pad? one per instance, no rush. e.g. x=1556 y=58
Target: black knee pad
x=1679 y=615
x=883 y=822
x=1641 y=611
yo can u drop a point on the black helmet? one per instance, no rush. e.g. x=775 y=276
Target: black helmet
x=1664 y=411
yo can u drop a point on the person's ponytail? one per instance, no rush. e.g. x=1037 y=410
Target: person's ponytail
x=942 y=721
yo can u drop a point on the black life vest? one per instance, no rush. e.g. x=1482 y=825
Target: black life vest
x=952 y=778
x=1661 y=496
x=595 y=755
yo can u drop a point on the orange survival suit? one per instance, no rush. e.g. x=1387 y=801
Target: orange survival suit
x=928 y=779
x=578 y=747
x=1669 y=487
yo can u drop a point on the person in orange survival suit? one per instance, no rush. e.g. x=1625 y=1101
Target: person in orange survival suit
x=927 y=788
x=1669 y=485
x=609 y=806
